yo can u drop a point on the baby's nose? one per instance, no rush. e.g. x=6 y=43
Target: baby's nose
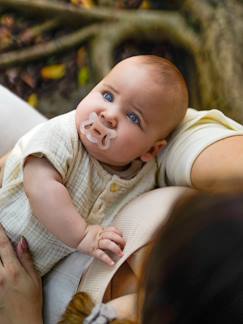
x=109 y=120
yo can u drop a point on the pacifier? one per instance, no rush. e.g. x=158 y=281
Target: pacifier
x=97 y=133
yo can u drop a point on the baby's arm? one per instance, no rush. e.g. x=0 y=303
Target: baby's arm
x=52 y=205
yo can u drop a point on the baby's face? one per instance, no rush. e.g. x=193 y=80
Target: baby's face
x=128 y=106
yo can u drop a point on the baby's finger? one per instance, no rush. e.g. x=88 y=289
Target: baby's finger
x=106 y=244
x=113 y=229
x=118 y=239
x=102 y=256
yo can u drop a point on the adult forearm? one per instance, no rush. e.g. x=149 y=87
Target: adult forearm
x=125 y=306
x=220 y=166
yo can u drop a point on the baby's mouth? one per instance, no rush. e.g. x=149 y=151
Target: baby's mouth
x=97 y=133
x=104 y=140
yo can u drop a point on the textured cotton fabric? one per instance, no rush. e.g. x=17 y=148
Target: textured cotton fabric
x=198 y=130
x=96 y=194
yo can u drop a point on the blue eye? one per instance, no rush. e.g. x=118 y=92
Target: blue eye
x=108 y=96
x=134 y=118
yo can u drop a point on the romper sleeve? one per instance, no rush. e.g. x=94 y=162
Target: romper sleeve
x=56 y=140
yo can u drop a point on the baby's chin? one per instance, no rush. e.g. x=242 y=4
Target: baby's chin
x=94 y=150
x=104 y=156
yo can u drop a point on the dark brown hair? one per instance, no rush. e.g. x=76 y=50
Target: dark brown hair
x=195 y=273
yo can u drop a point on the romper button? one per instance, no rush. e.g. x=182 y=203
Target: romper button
x=114 y=187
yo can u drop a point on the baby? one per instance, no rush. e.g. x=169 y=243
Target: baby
x=66 y=179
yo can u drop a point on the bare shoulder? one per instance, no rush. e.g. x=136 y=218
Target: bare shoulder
x=219 y=162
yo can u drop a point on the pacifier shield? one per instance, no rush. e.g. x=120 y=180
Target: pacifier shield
x=98 y=133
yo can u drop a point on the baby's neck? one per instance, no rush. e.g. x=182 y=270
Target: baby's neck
x=126 y=171
x=117 y=167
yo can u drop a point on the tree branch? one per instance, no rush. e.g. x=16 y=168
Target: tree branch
x=198 y=9
x=64 y=11
x=141 y=24
x=169 y=27
x=46 y=49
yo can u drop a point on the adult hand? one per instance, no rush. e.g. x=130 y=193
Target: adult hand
x=20 y=284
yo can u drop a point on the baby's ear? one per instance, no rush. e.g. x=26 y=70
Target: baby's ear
x=154 y=150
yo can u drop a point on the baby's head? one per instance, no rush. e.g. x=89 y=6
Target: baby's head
x=132 y=111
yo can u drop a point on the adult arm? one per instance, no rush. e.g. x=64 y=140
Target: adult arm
x=205 y=152
x=125 y=306
x=219 y=165
x=20 y=285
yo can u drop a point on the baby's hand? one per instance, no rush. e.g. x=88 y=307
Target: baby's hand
x=97 y=240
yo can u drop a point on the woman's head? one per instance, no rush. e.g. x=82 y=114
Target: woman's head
x=195 y=273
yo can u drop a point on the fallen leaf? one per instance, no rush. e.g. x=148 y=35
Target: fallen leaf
x=83 y=76
x=28 y=79
x=26 y=36
x=5 y=38
x=12 y=75
x=83 y=3
x=33 y=100
x=53 y=72
x=145 y=5
x=7 y=21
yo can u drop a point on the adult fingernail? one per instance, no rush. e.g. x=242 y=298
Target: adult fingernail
x=23 y=244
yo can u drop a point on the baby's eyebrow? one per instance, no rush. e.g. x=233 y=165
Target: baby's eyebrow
x=111 y=88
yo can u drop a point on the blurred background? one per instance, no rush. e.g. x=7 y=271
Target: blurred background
x=53 y=52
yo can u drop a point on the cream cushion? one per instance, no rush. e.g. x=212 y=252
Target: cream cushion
x=17 y=117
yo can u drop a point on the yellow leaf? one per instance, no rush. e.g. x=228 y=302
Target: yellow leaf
x=83 y=76
x=83 y=3
x=33 y=100
x=145 y=5
x=56 y=71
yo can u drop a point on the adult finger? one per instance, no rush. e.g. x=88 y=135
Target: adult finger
x=25 y=258
x=7 y=253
